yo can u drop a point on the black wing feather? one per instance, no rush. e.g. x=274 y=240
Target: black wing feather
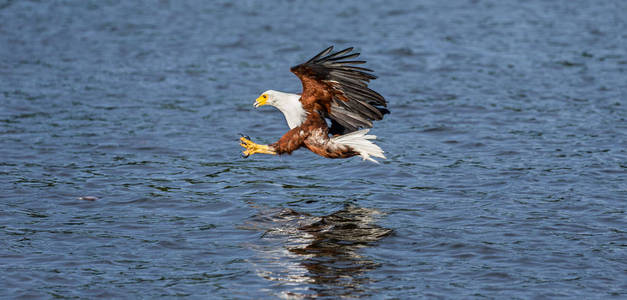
x=336 y=54
x=322 y=53
x=343 y=57
x=361 y=105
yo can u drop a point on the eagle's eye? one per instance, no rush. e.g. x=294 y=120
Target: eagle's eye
x=264 y=96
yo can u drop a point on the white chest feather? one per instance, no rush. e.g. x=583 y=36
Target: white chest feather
x=291 y=108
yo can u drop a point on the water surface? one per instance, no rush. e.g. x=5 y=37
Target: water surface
x=506 y=174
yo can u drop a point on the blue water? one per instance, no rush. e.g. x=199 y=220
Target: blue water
x=121 y=177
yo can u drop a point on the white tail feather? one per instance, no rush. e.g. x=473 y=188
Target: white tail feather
x=359 y=141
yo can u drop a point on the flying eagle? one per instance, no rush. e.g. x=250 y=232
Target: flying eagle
x=333 y=89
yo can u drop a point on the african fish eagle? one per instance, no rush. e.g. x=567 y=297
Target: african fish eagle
x=334 y=89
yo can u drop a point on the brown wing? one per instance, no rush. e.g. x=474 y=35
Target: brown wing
x=337 y=88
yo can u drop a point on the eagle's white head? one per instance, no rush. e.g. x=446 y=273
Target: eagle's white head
x=289 y=104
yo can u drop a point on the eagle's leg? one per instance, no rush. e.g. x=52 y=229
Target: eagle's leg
x=252 y=148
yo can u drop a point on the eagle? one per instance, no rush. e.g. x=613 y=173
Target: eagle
x=332 y=115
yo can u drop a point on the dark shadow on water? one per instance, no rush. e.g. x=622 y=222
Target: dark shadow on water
x=323 y=257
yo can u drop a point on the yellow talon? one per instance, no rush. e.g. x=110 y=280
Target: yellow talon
x=252 y=148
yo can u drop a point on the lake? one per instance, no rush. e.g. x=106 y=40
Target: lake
x=505 y=177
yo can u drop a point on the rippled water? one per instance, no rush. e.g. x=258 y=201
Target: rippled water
x=506 y=174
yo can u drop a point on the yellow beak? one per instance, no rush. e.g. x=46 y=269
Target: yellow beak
x=261 y=101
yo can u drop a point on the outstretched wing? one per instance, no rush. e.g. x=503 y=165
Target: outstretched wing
x=332 y=84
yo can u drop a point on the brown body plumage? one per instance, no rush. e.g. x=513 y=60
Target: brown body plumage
x=314 y=135
x=334 y=89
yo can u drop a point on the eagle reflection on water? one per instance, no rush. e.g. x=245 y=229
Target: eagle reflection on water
x=317 y=256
